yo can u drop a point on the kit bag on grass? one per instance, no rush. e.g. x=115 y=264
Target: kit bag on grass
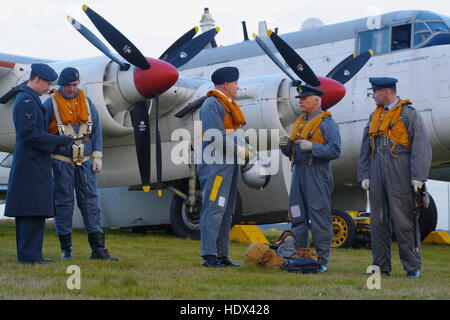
x=301 y=265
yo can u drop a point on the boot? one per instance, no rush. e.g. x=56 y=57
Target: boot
x=97 y=242
x=66 y=246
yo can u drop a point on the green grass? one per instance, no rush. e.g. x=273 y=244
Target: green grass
x=159 y=266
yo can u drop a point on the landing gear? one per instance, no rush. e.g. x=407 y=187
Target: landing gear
x=344 y=230
x=185 y=222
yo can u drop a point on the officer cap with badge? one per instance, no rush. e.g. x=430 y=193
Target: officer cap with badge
x=67 y=75
x=306 y=90
x=382 y=83
x=225 y=74
x=44 y=71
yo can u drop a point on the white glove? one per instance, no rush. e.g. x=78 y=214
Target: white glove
x=284 y=141
x=245 y=152
x=305 y=145
x=365 y=184
x=97 y=162
x=417 y=185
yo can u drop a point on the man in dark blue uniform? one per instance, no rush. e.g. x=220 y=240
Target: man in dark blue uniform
x=30 y=186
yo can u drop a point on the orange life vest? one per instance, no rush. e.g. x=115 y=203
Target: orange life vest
x=72 y=111
x=234 y=118
x=309 y=129
x=389 y=124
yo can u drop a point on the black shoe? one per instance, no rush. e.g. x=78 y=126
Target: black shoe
x=45 y=261
x=97 y=242
x=386 y=273
x=67 y=254
x=66 y=246
x=227 y=262
x=42 y=261
x=211 y=262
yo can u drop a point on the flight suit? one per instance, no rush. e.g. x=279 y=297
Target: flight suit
x=218 y=182
x=68 y=177
x=30 y=186
x=390 y=170
x=311 y=187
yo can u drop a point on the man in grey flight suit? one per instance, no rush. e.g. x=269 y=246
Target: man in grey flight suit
x=312 y=181
x=394 y=163
x=218 y=180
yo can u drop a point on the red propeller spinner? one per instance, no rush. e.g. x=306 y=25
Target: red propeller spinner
x=333 y=91
x=155 y=80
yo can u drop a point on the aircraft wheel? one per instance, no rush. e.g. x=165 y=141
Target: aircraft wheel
x=186 y=224
x=344 y=230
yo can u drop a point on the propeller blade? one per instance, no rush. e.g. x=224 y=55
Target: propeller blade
x=117 y=40
x=274 y=58
x=294 y=61
x=141 y=125
x=180 y=42
x=159 y=185
x=191 y=48
x=92 y=38
x=348 y=68
x=340 y=64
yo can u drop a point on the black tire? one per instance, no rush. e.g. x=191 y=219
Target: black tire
x=344 y=230
x=187 y=225
x=428 y=220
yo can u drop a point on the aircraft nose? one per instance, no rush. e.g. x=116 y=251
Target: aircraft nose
x=159 y=78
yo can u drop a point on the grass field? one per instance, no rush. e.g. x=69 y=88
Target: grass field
x=159 y=266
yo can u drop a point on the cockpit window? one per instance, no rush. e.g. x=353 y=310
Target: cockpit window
x=401 y=37
x=427 y=24
x=377 y=40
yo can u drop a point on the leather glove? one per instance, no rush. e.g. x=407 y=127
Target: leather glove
x=417 y=185
x=97 y=162
x=284 y=141
x=365 y=184
x=305 y=145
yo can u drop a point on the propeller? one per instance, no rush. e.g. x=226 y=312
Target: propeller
x=151 y=77
x=332 y=85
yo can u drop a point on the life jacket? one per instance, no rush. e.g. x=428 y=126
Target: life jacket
x=69 y=112
x=389 y=124
x=234 y=118
x=309 y=129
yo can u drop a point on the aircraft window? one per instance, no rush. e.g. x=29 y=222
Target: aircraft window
x=377 y=40
x=421 y=37
x=438 y=26
x=401 y=37
x=420 y=26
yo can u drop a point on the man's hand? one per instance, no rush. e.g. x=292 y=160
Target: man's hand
x=245 y=153
x=365 y=184
x=284 y=141
x=97 y=162
x=417 y=185
x=305 y=145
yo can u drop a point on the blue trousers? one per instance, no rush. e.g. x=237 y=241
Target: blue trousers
x=29 y=238
x=219 y=188
x=81 y=179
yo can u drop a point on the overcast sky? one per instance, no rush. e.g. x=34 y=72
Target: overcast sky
x=40 y=29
